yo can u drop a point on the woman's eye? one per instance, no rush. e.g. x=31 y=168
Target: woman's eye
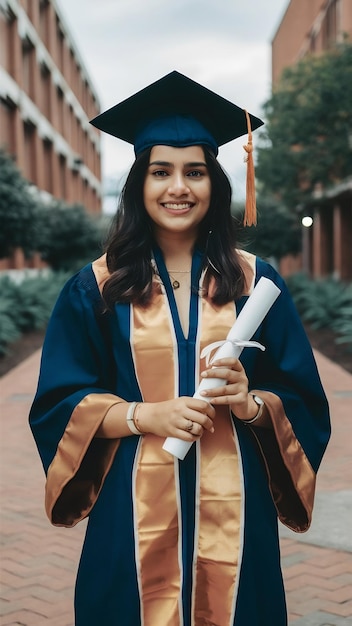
x=159 y=173
x=195 y=173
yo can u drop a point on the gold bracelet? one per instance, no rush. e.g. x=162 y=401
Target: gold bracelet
x=135 y=417
x=130 y=418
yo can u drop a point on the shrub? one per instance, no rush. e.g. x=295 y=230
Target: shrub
x=68 y=237
x=342 y=325
x=9 y=329
x=17 y=209
x=324 y=303
x=26 y=306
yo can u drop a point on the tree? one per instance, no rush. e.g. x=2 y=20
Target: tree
x=68 y=236
x=277 y=233
x=309 y=128
x=17 y=209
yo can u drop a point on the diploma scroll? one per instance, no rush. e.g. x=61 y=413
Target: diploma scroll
x=257 y=306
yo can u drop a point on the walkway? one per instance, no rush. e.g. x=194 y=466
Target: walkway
x=39 y=562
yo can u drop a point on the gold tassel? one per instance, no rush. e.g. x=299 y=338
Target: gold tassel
x=250 y=214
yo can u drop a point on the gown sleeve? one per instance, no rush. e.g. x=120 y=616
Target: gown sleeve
x=72 y=399
x=287 y=379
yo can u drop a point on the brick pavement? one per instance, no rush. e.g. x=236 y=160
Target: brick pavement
x=317 y=565
x=39 y=562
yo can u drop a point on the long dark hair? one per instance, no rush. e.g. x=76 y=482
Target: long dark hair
x=131 y=240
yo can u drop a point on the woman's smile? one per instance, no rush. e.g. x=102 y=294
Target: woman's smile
x=180 y=207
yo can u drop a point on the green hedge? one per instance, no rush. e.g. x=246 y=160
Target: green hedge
x=324 y=303
x=27 y=305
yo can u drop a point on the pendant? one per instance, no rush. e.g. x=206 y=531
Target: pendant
x=175 y=284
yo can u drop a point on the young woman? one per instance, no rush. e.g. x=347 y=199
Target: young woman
x=192 y=542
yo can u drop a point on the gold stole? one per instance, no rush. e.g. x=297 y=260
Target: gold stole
x=156 y=485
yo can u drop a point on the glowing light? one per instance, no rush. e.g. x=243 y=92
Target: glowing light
x=307 y=221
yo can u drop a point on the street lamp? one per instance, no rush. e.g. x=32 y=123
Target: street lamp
x=307 y=222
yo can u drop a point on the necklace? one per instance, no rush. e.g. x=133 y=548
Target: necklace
x=176 y=283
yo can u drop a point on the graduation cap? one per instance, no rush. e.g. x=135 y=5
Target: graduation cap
x=177 y=111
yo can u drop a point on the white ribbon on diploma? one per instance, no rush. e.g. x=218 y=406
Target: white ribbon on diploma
x=255 y=309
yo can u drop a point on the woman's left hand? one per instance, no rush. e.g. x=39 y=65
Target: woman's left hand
x=234 y=392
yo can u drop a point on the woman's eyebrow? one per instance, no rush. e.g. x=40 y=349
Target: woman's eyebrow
x=161 y=163
x=168 y=164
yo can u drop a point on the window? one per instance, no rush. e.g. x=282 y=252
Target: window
x=312 y=41
x=48 y=165
x=7 y=124
x=8 y=43
x=62 y=169
x=45 y=90
x=60 y=109
x=60 y=46
x=330 y=25
x=29 y=151
x=28 y=67
x=44 y=21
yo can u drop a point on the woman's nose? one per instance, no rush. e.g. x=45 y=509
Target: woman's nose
x=178 y=185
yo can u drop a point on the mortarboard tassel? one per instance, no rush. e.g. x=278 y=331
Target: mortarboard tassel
x=250 y=214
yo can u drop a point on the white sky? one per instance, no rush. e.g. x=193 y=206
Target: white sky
x=223 y=44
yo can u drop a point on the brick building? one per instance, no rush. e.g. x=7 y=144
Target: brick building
x=46 y=101
x=311 y=27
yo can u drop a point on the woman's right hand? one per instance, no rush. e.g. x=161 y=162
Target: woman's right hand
x=184 y=418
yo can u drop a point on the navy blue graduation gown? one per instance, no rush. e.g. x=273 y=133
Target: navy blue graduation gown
x=168 y=542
